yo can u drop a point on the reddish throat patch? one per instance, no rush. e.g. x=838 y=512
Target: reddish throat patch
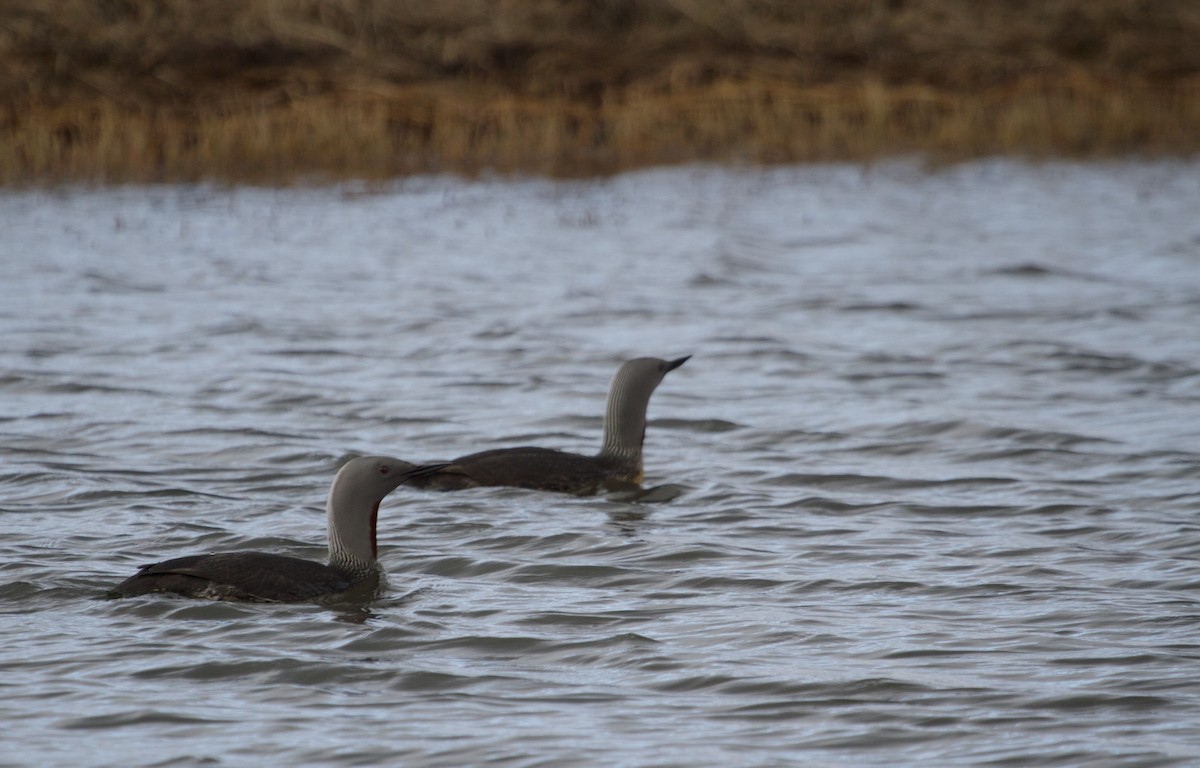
x=374 y=526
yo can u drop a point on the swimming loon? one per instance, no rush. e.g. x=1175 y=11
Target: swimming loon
x=618 y=462
x=351 y=514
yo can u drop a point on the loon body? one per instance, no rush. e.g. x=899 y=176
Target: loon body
x=351 y=514
x=619 y=461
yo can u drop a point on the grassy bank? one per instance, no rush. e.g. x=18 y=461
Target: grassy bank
x=280 y=90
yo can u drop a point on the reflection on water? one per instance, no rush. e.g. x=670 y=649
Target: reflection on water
x=926 y=493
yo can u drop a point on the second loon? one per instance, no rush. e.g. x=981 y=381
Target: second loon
x=618 y=462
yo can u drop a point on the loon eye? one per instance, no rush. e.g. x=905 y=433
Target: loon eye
x=384 y=469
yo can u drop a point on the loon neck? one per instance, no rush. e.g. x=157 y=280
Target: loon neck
x=625 y=421
x=351 y=520
x=625 y=413
x=623 y=443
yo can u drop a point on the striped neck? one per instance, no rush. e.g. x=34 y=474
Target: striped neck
x=625 y=414
x=624 y=428
x=352 y=511
x=351 y=517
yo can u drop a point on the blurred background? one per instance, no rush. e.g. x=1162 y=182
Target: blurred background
x=284 y=90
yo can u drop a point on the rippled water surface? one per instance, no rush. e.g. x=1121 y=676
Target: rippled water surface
x=937 y=458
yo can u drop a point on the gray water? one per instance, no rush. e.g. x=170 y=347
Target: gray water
x=931 y=477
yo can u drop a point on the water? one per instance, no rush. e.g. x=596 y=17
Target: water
x=938 y=448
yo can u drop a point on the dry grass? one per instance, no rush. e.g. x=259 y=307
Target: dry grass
x=281 y=90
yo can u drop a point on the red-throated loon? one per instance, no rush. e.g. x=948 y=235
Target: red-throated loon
x=351 y=516
x=618 y=462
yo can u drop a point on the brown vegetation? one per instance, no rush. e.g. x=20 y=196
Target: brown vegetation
x=279 y=90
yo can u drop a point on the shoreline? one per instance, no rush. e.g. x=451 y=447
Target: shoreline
x=290 y=91
x=462 y=131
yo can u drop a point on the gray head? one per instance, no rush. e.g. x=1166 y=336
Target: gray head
x=628 y=398
x=352 y=511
